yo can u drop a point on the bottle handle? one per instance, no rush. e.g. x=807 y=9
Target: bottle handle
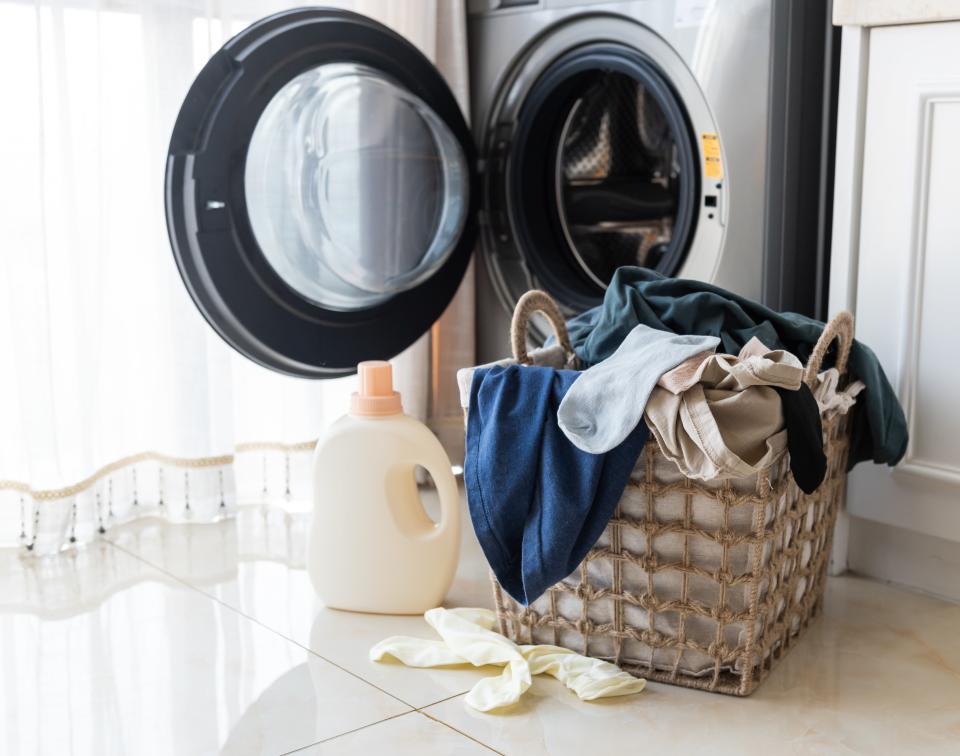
x=447 y=492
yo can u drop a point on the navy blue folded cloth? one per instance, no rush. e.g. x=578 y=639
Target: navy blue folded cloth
x=538 y=503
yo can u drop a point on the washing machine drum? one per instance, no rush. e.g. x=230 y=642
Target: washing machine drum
x=594 y=148
x=321 y=192
x=603 y=172
x=322 y=195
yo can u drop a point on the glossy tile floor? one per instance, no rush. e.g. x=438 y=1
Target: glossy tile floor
x=202 y=639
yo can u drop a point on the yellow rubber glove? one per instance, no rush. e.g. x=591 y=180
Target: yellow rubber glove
x=468 y=637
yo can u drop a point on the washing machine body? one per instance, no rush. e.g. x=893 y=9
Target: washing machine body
x=709 y=85
x=324 y=192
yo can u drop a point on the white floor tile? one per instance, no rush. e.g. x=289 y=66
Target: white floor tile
x=254 y=563
x=102 y=653
x=878 y=673
x=151 y=666
x=412 y=734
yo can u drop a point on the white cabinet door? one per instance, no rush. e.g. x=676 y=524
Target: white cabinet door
x=908 y=279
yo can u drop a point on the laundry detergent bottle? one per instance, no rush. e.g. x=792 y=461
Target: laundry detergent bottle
x=372 y=546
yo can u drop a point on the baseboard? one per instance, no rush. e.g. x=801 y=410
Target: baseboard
x=914 y=560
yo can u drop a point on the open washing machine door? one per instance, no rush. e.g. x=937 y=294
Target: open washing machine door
x=321 y=192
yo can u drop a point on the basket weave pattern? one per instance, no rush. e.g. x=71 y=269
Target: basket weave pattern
x=701 y=584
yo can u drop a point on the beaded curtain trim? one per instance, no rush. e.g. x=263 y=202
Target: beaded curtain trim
x=151 y=456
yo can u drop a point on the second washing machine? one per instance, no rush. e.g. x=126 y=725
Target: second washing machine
x=688 y=137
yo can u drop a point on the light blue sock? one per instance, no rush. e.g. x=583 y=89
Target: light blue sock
x=606 y=402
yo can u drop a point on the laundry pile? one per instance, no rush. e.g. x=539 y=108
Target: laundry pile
x=715 y=378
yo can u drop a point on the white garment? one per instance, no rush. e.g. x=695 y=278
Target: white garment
x=468 y=637
x=606 y=402
x=830 y=401
x=551 y=356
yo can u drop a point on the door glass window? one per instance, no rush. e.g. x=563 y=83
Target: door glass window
x=618 y=176
x=355 y=189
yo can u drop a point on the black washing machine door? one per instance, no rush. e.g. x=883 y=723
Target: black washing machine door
x=321 y=192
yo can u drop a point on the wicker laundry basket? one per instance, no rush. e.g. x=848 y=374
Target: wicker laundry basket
x=693 y=583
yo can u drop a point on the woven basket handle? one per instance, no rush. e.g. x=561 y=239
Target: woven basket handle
x=531 y=302
x=840 y=328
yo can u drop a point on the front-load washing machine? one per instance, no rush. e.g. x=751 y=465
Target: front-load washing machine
x=324 y=192
x=692 y=137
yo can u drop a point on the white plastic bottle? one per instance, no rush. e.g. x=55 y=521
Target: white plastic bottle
x=372 y=546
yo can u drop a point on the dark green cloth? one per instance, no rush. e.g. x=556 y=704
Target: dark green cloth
x=639 y=295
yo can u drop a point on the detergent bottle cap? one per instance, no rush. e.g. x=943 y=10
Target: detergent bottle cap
x=376 y=396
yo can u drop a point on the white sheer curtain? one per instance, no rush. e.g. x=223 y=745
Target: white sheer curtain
x=116 y=398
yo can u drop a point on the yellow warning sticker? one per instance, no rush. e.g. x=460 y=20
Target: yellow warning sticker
x=712 y=164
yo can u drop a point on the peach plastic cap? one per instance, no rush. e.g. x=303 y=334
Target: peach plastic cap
x=376 y=395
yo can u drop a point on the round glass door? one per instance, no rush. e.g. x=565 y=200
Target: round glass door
x=355 y=189
x=321 y=193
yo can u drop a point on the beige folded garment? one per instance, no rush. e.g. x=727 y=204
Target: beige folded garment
x=831 y=401
x=721 y=417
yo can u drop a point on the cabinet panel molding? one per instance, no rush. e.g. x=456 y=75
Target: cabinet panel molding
x=935 y=225
x=907 y=269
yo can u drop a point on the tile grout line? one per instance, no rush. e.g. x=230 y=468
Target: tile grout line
x=397 y=716
x=349 y=732
x=442 y=700
x=416 y=710
x=450 y=726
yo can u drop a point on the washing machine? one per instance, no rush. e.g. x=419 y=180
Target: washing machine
x=324 y=193
x=693 y=138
